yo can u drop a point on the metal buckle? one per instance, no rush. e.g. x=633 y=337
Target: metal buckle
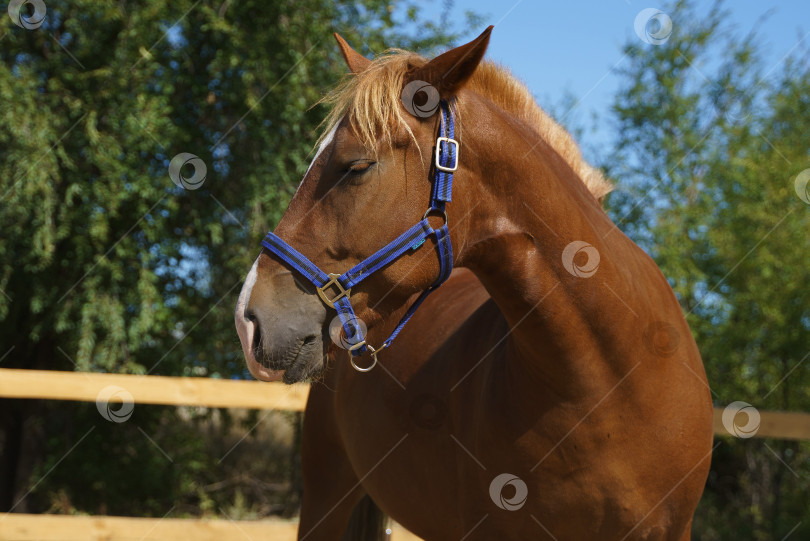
x=333 y=281
x=449 y=141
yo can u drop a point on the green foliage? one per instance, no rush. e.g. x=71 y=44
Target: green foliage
x=710 y=142
x=106 y=264
x=165 y=460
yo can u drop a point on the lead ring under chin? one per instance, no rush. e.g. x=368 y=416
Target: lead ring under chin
x=369 y=367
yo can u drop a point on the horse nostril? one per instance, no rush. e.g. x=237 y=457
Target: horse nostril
x=250 y=315
x=257 y=341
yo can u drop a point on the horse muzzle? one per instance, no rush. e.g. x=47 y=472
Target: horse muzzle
x=280 y=328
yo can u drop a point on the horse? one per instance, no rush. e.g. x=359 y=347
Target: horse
x=550 y=388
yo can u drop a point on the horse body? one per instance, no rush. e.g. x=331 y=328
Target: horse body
x=515 y=365
x=592 y=422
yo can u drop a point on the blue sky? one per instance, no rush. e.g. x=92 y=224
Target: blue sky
x=570 y=47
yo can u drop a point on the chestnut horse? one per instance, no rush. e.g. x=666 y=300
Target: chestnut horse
x=549 y=389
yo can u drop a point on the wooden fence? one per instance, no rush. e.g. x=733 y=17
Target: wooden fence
x=220 y=393
x=22 y=527
x=171 y=391
x=175 y=391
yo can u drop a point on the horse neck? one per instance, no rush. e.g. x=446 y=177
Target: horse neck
x=525 y=206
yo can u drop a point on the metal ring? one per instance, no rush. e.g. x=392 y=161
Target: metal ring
x=434 y=209
x=369 y=367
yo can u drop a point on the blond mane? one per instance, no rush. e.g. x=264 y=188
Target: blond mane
x=372 y=99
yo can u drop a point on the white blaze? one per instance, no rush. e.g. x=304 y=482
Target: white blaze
x=324 y=144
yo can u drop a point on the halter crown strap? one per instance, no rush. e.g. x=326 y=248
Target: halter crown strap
x=335 y=289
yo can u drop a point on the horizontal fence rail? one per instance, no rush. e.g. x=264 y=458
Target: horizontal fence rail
x=22 y=527
x=780 y=425
x=221 y=393
x=171 y=391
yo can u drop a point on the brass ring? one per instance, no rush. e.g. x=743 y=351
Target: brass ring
x=369 y=367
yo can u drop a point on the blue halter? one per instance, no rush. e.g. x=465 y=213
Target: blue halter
x=445 y=162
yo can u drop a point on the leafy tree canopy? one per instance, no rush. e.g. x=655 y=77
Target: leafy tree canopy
x=710 y=142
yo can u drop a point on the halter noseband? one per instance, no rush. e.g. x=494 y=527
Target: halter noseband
x=445 y=162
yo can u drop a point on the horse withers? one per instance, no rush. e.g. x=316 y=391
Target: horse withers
x=550 y=388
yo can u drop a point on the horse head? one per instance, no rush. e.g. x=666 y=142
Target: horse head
x=369 y=181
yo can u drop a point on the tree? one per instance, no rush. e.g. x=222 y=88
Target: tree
x=107 y=265
x=710 y=142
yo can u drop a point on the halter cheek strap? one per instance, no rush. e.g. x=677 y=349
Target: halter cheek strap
x=335 y=289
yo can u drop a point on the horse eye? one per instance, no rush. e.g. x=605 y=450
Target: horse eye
x=359 y=167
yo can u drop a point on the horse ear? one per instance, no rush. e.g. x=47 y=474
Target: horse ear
x=354 y=60
x=449 y=71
